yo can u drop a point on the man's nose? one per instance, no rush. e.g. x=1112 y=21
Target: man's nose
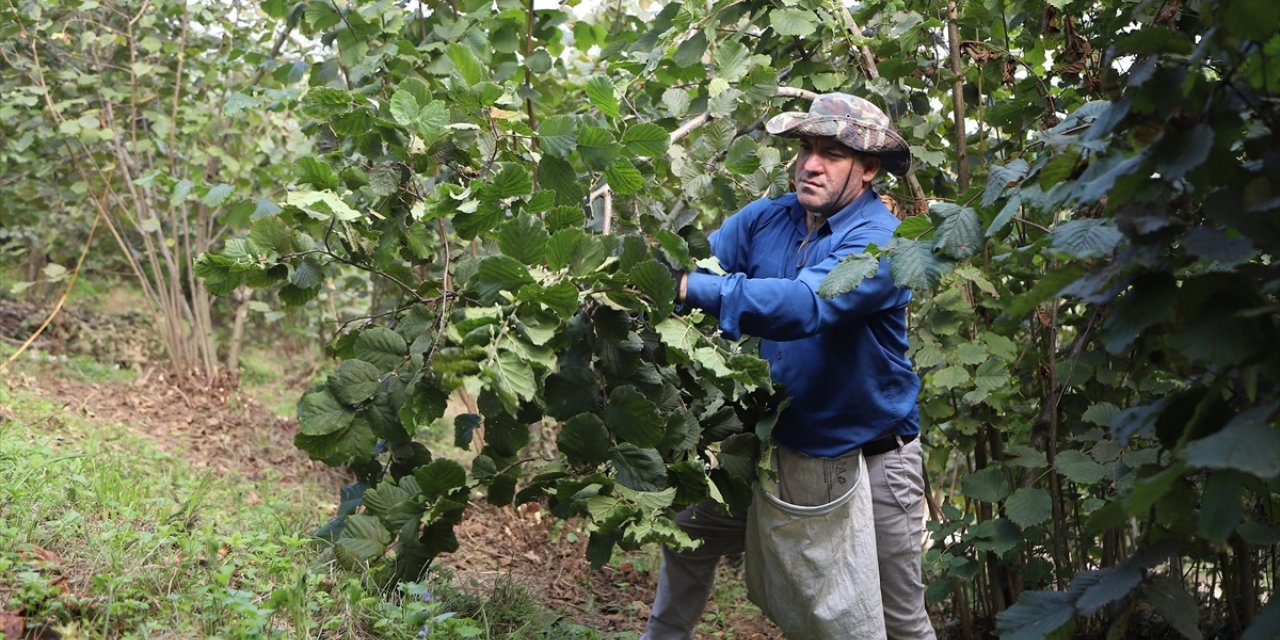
x=812 y=163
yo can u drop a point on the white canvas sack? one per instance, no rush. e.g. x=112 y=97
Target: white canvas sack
x=812 y=569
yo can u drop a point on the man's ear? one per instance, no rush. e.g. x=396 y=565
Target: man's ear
x=870 y=167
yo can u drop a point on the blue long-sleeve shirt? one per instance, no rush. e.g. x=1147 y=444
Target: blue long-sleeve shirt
x=843 y=361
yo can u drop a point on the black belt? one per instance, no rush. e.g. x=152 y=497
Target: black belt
x=885 y=445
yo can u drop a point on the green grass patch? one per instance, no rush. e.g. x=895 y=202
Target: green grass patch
x=108 y=536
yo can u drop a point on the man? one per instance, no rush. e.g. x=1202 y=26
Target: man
x=842 y=361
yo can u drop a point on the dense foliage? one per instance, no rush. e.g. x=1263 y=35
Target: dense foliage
x=1094 y=279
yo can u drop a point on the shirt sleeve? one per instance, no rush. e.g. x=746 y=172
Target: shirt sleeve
x=781 y=309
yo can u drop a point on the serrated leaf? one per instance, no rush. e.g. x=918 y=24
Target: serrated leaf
x=362 y=541
x=1179 y=608
x=600 y=92
x=511 y=181
x=558 y=176
x=597 y=148
x=1079 y=468
x=404 y=107
x=1248 y=443
x=354 y=382
x=1105 y=586
x=561 y=248
x=1005 y=216
x=497 y=274
x=654 y=281
x=433 y=121
x=732 y=59
x=1035 y=615
x=914 y=265
x=322 y=205
x=800 y=23
x=646 y=139
x=326 y=102
x=1101 y=414
x=959 y=235
x=440 y=478
x=384 y=179
x=584 y=440
x=315 y=172
x=1088 y=238
x=1001 y=177
x=465 y=63
x=848 y=274
x=514 y=376
x=381 y=347
x=987 y=485
x=320 y=413
x=558 y=135
x=393 y=502
x=638 y=468
x=633 y=418
x=742 y=157
x=624 y=178
x=524 y=238
x=1028 y=507
x=690 y=51
x=676 y=101
x=1182 y=149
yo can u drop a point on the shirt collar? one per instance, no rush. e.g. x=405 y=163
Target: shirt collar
x=849 y=216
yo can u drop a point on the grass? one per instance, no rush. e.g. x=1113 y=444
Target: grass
x=108 y=536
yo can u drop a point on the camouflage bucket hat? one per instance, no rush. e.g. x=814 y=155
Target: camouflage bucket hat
x=853 y=122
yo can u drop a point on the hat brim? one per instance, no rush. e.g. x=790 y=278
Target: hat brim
x=887 y=144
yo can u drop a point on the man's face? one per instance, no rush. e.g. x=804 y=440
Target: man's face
x=830 y=175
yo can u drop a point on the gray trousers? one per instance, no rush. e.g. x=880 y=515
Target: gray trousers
x=897 y=495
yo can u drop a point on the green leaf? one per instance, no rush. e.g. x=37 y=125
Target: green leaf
x=381 y=347
x=1220 y=511
x=1248 y=443
x=322 y=205
x=677 y=101
x=384 y=179
x=514 y=377
x=404 y=107
x=1179 y=608
x=1089 y=238
x=432 y=121
x=1035 y=615
x=1006 y=215
x=959 y=235
x=363 y=540
x=742 y=157
x=315 y=172
x=1001 y=177
x=1183 y=149
x=633 y=418
x=600 y=92
x=638 y=468
x=440 y=478
x=558 y=176
x=320 y=413
x=732 y=60
x=655 y=282
x=465 y=63
x=1079 y=468
x=952 y=377
x=800 y=23
x=848 y=274
x=584 y=440
x=987 y=485
x=690 y=51
x=1148 y=301
x=914 y=265
x=354 y=382
x=394 y=502
x=1028 y=507
x=326 y=102
x=624 y=178
x=597 y=148
x=511 y=181
x=524 y=238
x=497 y=274
x=558 y=135
x=646 y=139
